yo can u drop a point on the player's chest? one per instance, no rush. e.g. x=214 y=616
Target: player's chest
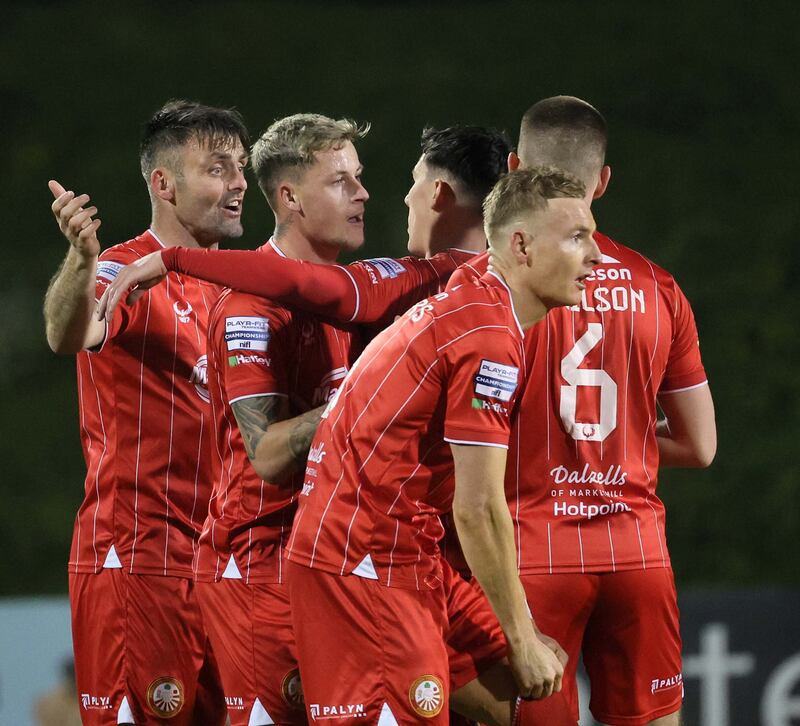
x=321 y=358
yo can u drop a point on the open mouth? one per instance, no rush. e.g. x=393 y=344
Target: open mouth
x=356 y=219
x=581 y=281
x=234 y=207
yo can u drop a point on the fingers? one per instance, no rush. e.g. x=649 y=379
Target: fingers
x=56 y=189
x=102 y=305
x=80 y=221
x=135 y=294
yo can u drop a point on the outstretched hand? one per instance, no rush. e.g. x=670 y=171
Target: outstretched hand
x=75 y=222
x=132 y=280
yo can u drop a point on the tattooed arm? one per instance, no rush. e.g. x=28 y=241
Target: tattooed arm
x=277 y=446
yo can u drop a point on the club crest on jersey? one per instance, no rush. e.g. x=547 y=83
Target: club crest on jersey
x=247 y=332
x=426 y=696
x=183 y=310
x=292 y=690
x=496 y=380
x=165 y=697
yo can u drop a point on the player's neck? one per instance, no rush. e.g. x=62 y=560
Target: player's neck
x=460 y=229
x=171 y=233
x=472 y=239
x=295 y=245
x=528 y=307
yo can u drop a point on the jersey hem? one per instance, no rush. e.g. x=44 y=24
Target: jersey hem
x=185 y=574
x=399 y=580
x=594 y=569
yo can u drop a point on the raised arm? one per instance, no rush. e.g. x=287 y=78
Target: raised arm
x=369 y=291
x=688 y=436
x=321 y=289
x=484 y=527
x=277 y=446
x=69 y=303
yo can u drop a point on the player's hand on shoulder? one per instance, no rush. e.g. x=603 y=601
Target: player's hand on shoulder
x=75 y=220
x=131 y=281
x=536 y=667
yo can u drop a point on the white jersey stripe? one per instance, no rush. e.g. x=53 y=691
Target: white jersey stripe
x=139 y=434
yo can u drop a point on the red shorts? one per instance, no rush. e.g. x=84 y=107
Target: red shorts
x=141 y=653
x=365 y=648
x=251 y=631
x=475 y=640
x=626 y=625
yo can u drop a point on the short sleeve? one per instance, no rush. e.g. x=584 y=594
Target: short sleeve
x=250 y=339
x=110 y=262
x=483 y=381
x=684 y=365
x=387 y=287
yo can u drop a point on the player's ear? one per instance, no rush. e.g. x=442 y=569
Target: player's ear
x=444 y=196
x=162 y=184
x=287 y=198
x=519 y=246
x=513 y=161
x=602 y=184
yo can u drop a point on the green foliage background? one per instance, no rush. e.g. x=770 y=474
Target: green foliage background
x=704 y=113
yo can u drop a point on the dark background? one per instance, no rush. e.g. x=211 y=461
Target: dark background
x=704 y=111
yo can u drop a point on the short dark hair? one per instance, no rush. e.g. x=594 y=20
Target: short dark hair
x=565 y=132
x=179 y=121
x=475 y=156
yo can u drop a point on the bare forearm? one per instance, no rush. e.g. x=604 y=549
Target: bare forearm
x=276 y=446
x=69 y=304
x=285 y=449
x=487 y=539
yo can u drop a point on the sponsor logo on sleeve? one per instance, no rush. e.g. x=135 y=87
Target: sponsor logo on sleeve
x=108 y=270
x=165 y=697
x=241 y=359
x=496 y=380
x=387 y=267
x=247 y=332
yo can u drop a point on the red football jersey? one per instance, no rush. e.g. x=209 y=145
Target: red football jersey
x=381 y=471
x=387 y=287
x=144 y=418
x=258 y=348
x=583 y=465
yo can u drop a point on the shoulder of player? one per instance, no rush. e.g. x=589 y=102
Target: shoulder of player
x=472 y=307
x=131 y=250
x=627 y=256
x=234 y=302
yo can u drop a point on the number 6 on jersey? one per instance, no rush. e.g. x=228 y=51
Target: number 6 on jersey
x=580 y=430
